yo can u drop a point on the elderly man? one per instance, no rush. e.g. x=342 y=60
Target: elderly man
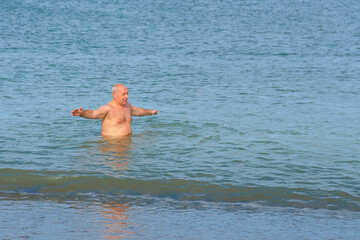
x=116 y=115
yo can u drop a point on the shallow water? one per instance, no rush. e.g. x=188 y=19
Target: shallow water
x=257 y=135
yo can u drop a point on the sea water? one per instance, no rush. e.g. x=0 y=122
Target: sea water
x=257 y=135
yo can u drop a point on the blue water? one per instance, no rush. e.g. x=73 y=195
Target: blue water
x=257 y=135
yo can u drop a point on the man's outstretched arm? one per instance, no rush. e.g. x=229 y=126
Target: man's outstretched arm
x=138 y=111
x=91 y=114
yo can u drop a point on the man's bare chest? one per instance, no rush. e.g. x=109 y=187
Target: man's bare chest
x=120 y=115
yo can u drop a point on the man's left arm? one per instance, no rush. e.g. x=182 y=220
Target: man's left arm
x=139 y=112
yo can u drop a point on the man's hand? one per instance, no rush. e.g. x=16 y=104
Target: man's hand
x=153 y=112
x=77 y=112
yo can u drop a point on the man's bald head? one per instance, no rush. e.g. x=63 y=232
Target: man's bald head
x=118 y=87
x=120 y=94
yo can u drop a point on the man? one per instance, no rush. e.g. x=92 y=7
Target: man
x=116 y=115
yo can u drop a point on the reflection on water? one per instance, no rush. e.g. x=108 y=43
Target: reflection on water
x=116 y=153
x=117 y=220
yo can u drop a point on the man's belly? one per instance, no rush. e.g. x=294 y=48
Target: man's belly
x=116 y=130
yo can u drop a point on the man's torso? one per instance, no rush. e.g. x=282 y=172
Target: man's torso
x=117 y=122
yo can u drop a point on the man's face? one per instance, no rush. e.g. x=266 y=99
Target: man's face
x=121 y=95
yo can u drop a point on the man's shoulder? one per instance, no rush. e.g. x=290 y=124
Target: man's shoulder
x=128 y=105
x=106 y=107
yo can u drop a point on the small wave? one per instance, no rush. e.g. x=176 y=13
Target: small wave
x=36 y=182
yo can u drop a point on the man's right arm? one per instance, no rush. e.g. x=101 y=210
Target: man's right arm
x=92 y=114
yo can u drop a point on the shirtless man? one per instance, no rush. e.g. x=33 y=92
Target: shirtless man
x=116 y=115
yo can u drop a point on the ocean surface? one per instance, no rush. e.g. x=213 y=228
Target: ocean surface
x=257 y=135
